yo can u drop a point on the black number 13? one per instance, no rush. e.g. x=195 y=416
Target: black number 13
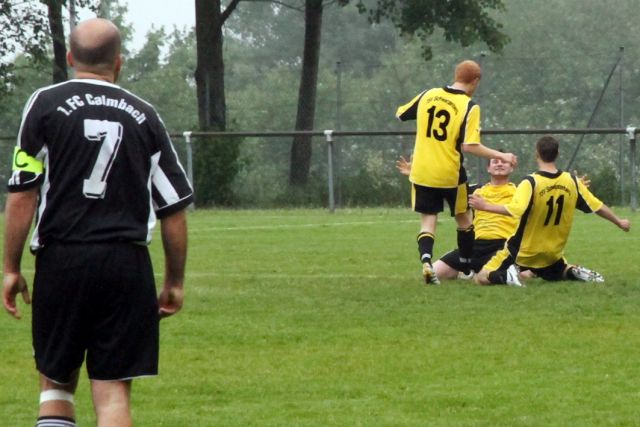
x=440 y=133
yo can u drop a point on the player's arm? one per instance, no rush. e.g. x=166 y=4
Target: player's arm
x=19 y=211
x=478 y=202
x=588 y=202
x=472 y=143
x=606 y=213
x=174 y=241
x=516 y=207
x=480 y=150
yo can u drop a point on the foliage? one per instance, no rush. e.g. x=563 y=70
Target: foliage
x=606 y=186
x=23 y=29
x=462 y=21
x=215 y=163
x=548 y=76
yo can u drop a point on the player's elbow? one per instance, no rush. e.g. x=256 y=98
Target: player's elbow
x=468 y=148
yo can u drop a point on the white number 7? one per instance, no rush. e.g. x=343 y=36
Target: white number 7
x=110 y=133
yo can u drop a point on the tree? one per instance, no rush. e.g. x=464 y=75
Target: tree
x=301 y=146
x=23 y=31
x=463 y=21
x=56 y=28
x=27 y=28
x=216 y=161
x=210 y=18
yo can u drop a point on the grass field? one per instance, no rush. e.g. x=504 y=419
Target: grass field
x=305 y=318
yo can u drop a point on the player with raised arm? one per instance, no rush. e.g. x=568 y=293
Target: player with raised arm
x=492 y=230
x=448 y=124
x=544 y=204
x=97 y=164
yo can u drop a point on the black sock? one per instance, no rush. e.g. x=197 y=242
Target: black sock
x=498 y=277
x=465 y=247
x=425 y=246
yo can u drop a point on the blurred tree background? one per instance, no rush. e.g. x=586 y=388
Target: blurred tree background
x=550 y=74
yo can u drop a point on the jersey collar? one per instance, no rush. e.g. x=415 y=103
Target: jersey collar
x=549 y=174
x=455 y=91
x=94 y=82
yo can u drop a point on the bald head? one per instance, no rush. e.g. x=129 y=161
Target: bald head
x=95 y=45
x=467 y=72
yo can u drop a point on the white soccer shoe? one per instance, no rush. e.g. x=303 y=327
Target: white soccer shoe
x=462 y=276
x=512 y=277
x=429 y=275
x=585 y=275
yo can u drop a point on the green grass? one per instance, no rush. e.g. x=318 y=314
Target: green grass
x=304 y=318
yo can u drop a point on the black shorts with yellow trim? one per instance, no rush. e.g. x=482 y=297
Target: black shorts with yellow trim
x=503 y=259
x=430 y=200
x=483 y=251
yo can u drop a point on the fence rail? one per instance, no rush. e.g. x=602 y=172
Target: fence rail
x=330 y=135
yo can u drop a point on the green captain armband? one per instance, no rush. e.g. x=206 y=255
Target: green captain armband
x=25 y=163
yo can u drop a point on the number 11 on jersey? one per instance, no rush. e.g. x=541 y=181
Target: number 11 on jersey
x=110 y=134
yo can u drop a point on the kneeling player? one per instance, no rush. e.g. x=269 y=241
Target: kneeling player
x=544 y=203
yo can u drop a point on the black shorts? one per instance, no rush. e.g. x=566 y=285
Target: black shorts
x=552 y=273
x=429 y=200
x=95 y=298
x=483 y=250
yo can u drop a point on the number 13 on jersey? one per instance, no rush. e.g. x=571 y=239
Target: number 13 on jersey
x=110 y=134
x=438 y=127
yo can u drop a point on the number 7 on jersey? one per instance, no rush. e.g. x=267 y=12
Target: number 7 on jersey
x=110 y=133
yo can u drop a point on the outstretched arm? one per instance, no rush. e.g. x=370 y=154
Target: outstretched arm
x=174 y=241
x=19 y=210
x=606 y=213
x=489 y=153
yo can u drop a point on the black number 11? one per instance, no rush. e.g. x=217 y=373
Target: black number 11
x=550 y=203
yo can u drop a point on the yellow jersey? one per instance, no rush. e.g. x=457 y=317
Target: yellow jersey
x=446 y=119
x=545 y=204
x=491 y=226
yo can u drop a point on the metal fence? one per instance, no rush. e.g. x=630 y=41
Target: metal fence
x=332 y=140
x=332 y=137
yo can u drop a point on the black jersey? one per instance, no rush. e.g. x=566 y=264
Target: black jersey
x=104 y=163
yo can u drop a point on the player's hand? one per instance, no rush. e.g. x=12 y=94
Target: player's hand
x=477 y=202
x=510 y=158
x=404 y=166
x=12 y=285
x=624 y=224
x=170 y=300
x=584 y=179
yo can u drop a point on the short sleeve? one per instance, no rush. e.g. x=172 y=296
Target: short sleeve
x=409 y=111
x=27 y=166
x=472 y=128
x=171 y=189
x=521 y=199
x=587 y=202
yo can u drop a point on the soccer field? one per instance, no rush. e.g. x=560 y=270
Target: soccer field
x=305 y=318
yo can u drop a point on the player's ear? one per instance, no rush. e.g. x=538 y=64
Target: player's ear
x=116 y=68
x=69 y=59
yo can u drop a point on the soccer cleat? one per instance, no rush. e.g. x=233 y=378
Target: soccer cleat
x=429 y=275
x=463 y=276
x=512 y=277
x=585 y=275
